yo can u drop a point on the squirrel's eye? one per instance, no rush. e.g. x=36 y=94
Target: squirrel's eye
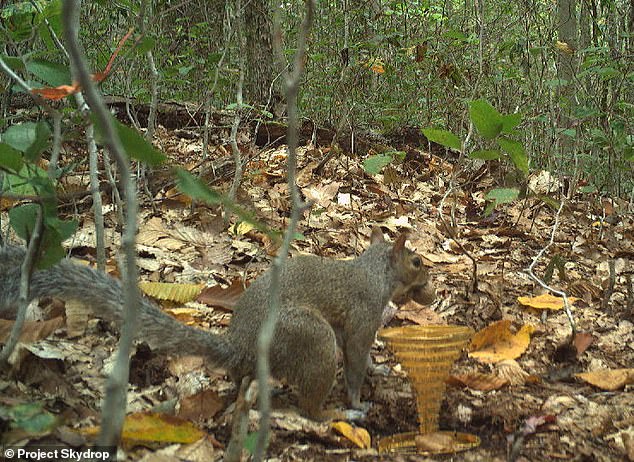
x=416 y=261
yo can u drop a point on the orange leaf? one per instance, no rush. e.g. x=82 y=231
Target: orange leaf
x=496 y=342
x=57 y=93
x=61 y=92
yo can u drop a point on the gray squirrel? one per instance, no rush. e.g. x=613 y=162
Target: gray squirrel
x=323 y=303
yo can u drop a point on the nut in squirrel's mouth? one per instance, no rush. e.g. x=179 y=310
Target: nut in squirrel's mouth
x=425 y=294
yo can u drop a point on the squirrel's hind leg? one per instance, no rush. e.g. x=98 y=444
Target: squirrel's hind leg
x=304 y=351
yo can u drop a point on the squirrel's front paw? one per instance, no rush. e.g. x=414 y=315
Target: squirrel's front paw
x=380 y=369
x=363 y=406
x=355 y=415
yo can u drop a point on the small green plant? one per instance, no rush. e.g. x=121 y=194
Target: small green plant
x=499 y=134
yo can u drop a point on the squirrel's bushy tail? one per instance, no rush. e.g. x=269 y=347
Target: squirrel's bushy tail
x=103 y=295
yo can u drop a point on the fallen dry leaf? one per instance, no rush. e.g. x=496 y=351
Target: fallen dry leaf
x=358 y=435
x=150 y=427
x=545 y=302
x=180 y=293
x=496 y=342
x=32 y=331
x=478 y=381
x=609 y=379
x=444 y=442
x=582 y=341
x=418 y=314
x=201 y=406
x=512 y=372
x=225 y=299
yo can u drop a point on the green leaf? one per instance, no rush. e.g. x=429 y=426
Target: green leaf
x=134 y=144
x=31 y=418
x=486 y=154
x=374 y=164
x=53 y=74
x=10 y=159
x=510 y=121
x=16 y=64
x=549 y=201
x=22 y=219
x=145 y=44
x=487 y=120
x=250 y=442
x=30 y=138
x=443 y=137
x=516 y=152
x=502 y=195
x=27 y=179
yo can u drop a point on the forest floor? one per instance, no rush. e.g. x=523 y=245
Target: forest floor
x=530 y=390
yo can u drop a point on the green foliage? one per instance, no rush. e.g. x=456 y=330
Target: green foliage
x=30 y=419
x=516 y=152
x=485 y=154
x=500 y=196
x=443 y=137
x=375 y=163
x=53 y=74
x=135 y=145
x=494 y=127
x=250 y=442
x=22 y=219
x=10 y=158
x=487 y=120
x=31 y=138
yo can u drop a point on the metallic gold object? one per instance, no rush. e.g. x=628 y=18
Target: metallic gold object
x=427 y=354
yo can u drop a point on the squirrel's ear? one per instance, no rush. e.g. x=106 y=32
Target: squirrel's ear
x=377 y=235
x=399 y=244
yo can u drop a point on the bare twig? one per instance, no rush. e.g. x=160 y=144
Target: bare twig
x=449 y=229
x=233 y=139
x=610 y=288
x=114 y=405
x=240 y=420
x=265 y=337
x=532 y=275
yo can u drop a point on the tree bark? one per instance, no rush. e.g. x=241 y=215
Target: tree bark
x=259 y=53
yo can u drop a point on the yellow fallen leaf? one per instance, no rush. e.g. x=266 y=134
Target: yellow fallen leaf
x=357 y=435
x=151 y=427
x=609 y=379
x=496 y=342
x=180 y=293
x=545 y=302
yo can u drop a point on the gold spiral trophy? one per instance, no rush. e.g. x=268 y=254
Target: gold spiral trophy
x=427 y=354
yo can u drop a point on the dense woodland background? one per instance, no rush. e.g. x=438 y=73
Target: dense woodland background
x=376 y=67
x=499 y=133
